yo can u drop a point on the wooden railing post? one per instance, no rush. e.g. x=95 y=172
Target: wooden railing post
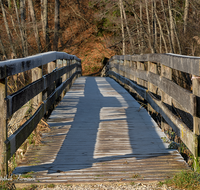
x=50 y=67
x=140 y=66
x=196 y=116
x=134 y=65
x=3 y=132
x=65 y=75
x=127 y=66
x=74 y=70
x=167 y=73
x=36 y=74
x=196 y=92
x=70 y=72
x=79 y=68
x=59 y=64
x=116 y=62
x=152 y=67
x=121 y=63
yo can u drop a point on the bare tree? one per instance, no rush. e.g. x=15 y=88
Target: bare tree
x=20 y=29
x=127 y=27
x=185 y=15
x=23 y=27
x=167 y=27
x=44 y=18
x=9 y=3
x=149 y=27
x=141 y=28
x=122 y=28
x=32 y=12
x=57 y=25
x=7 y=29
x=3 y=49
x=161 y=30
x=171 y=24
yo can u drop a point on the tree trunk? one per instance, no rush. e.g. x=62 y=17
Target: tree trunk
x=32 y=12
x=154 y=36
x=3 y=50
x=167 y=27
x=23 y=27
x=138 y=34
x=177 y=38
x=20 y=29
x=127 y=28
x=171 y=24
x=161 y=31
x=7 y=29
x=149 y=27
x=185 y=15
x=141 y=29
x=9 y=3
x=122 y=28
x=57 y=25
x=44 y=18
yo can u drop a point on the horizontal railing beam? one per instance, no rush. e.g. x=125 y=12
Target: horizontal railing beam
x=15 y=66
x=21 y=97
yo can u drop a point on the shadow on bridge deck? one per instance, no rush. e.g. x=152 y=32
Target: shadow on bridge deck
x=100 y=133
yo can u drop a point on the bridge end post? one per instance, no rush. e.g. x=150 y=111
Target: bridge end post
x=3 y=131
x=196 y=119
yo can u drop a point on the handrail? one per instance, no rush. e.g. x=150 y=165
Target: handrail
x=62 y=68
x=140 y=72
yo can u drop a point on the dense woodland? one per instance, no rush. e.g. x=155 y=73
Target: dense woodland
x=121 y=26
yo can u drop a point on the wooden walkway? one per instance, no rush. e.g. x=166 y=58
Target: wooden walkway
x=100 y=133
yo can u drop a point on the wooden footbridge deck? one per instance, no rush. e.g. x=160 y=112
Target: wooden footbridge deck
x=100 y=133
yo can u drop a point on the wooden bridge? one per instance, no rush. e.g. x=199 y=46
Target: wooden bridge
x=99 y=132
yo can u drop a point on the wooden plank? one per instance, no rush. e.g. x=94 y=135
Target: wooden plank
x=14 y=66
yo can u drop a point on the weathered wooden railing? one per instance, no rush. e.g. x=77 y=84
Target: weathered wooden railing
x=62 y=70
x=141 y=73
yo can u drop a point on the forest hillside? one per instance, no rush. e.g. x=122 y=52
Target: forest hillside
x=96 y=29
